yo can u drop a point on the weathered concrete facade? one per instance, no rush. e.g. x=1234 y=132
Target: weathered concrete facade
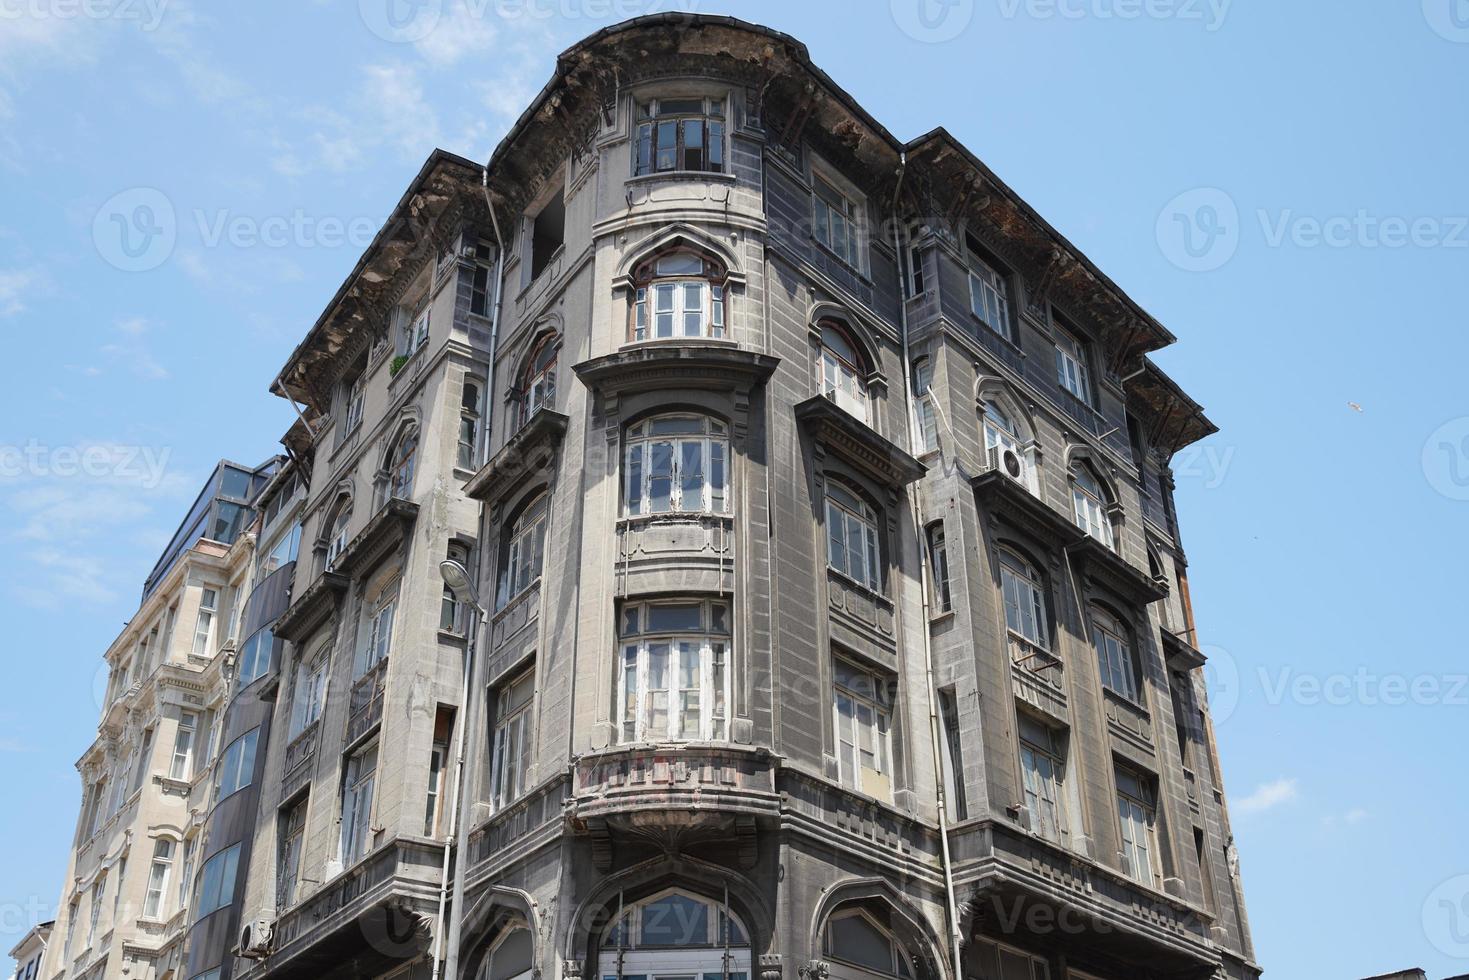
x=818 y=493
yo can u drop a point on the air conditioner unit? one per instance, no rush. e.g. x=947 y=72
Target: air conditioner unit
x=1008 y=462
x=255 y=939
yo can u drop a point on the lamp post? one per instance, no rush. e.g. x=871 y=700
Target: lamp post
x=456 y=577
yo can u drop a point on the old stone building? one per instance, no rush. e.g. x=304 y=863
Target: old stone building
x=154 y=774
x=817 y=495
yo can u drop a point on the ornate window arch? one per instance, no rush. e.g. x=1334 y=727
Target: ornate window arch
x=679 y=293
x=1007 y=429
x=400 y=463
x=843 y=367
x=675 y=931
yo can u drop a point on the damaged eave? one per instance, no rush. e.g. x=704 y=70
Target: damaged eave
x=445 y=181
x=1076 y=284
x=1174 y=419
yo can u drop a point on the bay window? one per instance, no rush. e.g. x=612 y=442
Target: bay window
x=217 y=882
x=680 y=134
x=254 y=660
x=851 y=537
x=863 y=702
x=674 y=674
x=677 y=464
x=679 y=294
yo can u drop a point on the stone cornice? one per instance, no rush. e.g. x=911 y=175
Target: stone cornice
x=1115 y=573
x=312 y=607
x=529 y=451
x=848 y=437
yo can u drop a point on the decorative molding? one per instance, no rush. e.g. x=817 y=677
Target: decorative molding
x=531 y=450
x=857 y=443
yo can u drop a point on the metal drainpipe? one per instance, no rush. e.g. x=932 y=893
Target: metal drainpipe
x=915 y=504
x=494 y=314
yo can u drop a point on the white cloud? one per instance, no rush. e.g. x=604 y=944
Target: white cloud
x=394 y=94
x=130 y=352
x=1351 y=818
x=1267 y=796
x=459 y=32
x=15 y=284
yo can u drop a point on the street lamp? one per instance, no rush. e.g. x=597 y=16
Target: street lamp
x=456 y=578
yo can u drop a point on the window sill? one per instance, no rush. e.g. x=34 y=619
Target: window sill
x=721 y=176
x=663 y=341
x=861 y=587
x=940 y=617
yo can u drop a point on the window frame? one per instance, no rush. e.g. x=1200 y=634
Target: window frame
x=227 y=862
x=841 y=379
x=938 y=559
x=181 y=762
x=308 y=695
x=376 y=643
x=638 y=643
x=1117 y=661
x=901 y=961
x=639 y=442
x=510 y=738
x=1073 y=373
x=1043 y=767
x=537 y=382
x=290 y=849
x=359 y=798
x=237 y=773
x=925 y=407
x=205 y=621
x=337 y=534
x=402 y=465
x=1138 y=811
x=1030 y=599
x=830 y=201
x=524 y=550
x=1090 y=507
x=647 y=132
x=160 y=873
x=879 y=698
x=989 y=290
x=854 y=513
x=649 y=281
x=471 y=412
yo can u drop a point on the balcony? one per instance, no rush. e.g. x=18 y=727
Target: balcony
x=693 y=551
x=531 y=450
x=365 y=708
x=674 y=793
x=1039 y=677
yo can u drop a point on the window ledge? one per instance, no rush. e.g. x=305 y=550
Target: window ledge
x=862 y=587
x=719 y=176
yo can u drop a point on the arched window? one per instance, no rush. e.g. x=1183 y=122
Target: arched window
x=674 y=671
x=400 y=466
x=451 y=613
x=675 y=933
x=1115 y=657
x=677 y=463
x=1000 y=431
x=1025 y=601
x=538 y=378
x=842 y=369
x=1089 y=504
x=678 y=294
x=859 y=946
x=524 y=552
x=510 y=957
x=852 y=546
x=336 y=541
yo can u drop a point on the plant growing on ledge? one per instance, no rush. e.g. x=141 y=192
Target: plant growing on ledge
x=396 y=364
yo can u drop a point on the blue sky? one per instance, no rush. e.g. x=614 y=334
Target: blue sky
x=1280 y=183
